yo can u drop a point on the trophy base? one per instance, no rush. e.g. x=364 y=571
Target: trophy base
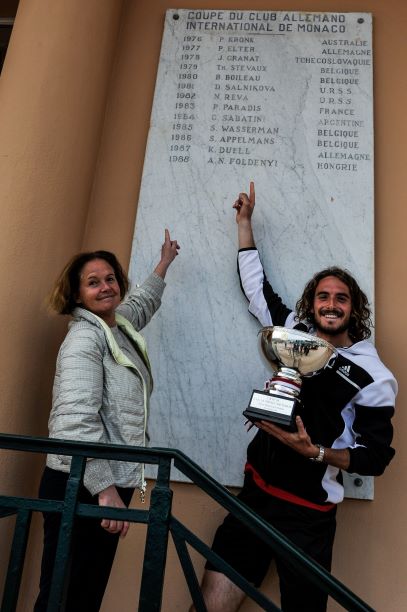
x=274 y=407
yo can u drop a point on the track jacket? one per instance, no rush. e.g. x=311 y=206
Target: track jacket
x=349 y=404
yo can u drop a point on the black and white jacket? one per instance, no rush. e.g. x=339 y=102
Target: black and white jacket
x=349 y=404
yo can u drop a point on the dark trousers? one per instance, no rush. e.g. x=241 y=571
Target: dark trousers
x=93 y=549
x=309 y=529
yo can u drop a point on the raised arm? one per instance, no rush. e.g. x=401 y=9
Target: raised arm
x=244 y=206
x=264 y=303
x=143 y=301
x=169 y=251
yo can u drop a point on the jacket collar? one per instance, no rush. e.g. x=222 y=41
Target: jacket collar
x=126 y=326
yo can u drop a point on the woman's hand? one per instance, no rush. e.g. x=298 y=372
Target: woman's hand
x=169 y=251
x=110 y=497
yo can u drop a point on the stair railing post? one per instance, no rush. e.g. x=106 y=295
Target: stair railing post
x=155 y=555
x=60 y=576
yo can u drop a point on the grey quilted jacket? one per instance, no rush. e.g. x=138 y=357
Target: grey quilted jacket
x=99 y=395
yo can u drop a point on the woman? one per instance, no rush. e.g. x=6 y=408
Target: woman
x=101 y=392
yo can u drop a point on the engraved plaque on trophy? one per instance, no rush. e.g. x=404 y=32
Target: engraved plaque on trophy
x=292 y=354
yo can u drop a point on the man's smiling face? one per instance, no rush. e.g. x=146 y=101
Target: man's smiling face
x=332 y=309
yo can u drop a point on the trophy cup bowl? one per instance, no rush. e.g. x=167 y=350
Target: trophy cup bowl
x=291 y=354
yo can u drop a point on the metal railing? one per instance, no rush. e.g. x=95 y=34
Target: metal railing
x=160 y=522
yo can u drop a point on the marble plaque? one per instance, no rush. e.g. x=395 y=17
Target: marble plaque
x=281 y=98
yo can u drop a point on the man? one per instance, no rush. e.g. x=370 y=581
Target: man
x=293 y=479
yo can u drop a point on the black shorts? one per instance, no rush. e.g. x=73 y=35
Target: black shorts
x=311 y=530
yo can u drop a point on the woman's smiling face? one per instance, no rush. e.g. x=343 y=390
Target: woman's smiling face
x=99 y=291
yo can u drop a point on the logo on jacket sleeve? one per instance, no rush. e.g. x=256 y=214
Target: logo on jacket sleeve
x=345 y=370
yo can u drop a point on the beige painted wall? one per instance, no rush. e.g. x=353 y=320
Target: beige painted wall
x=75 y=100
x=53 y=93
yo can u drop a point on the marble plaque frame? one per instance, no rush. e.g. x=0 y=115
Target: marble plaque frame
x=281 y=98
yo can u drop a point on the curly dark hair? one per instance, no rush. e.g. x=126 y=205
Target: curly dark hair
x=360 y=319
x=63 y=298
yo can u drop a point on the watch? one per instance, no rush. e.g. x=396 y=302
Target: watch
x=320 y=457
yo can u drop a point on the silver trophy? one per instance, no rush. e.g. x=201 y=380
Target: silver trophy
x=291 y=354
